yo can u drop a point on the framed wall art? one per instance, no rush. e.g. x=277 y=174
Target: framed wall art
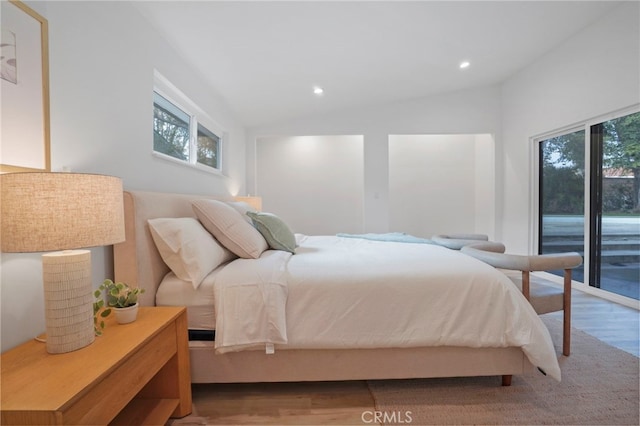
x=24 y=75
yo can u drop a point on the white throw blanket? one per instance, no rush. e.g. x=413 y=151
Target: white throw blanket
x=250 y=302
x=343 y=293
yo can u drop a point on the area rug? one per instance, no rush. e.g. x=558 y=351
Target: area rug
x=600 y=386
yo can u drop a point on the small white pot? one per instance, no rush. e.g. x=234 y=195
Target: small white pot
x=126 y=315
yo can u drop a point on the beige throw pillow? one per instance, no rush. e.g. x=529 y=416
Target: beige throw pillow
x=188 y=248
x=230 y=228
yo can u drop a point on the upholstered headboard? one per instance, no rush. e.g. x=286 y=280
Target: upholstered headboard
x=137 y=260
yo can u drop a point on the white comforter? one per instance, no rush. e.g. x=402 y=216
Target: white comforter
x=339 y=293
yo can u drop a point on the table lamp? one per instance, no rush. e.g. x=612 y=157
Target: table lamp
x=255 y=202
x=42 y=212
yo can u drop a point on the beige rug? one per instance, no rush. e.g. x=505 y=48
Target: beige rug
x=599 y=387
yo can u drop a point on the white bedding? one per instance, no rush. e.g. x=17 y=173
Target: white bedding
x=199 y=302
x=355 y=293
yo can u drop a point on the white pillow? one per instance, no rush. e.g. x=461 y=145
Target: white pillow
x=230 y=228
x=187 y=248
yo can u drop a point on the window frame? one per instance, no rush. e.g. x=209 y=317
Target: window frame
x=197 y=117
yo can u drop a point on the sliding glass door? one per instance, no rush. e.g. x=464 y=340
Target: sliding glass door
x=562 y=198
x=615 y=234
x=602 y=167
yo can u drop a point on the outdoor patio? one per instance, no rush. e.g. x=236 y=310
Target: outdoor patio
x=620 y=270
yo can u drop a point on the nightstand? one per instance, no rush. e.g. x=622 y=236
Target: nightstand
x=137 y=373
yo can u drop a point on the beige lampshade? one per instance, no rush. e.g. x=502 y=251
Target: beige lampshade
x=59 y=211
x=255 y=202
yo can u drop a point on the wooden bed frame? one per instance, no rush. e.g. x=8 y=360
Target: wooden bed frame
x=138 y=263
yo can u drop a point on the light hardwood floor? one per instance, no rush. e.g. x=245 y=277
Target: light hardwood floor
x=610 y=322
x=344 y=402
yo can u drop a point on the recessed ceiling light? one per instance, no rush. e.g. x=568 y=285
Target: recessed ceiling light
x=464 y=64
x=318 y=90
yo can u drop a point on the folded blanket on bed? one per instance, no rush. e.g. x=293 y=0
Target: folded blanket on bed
x=398 y=237
x=250 y=301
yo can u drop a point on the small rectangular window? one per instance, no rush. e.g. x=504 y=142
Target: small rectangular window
x=171 y=133
x=207 y=147
x=181 y=130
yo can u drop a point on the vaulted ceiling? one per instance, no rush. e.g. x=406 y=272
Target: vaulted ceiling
x=265 y=57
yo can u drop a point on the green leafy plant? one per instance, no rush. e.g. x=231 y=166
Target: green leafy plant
x=99 y=314
x=121 y=295
x=118 y=295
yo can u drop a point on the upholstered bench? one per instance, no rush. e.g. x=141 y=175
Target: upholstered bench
x=543 y=295
x=457 y=241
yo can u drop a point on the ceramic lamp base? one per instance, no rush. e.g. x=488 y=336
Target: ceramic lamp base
x=68 y=300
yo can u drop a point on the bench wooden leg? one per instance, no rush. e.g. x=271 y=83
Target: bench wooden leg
x=526 y=286
x=566 y=330
x=506 y=380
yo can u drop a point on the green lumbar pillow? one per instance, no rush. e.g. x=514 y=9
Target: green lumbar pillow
x=278 y=235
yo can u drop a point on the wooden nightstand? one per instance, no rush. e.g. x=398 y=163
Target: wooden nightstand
x=136 y=373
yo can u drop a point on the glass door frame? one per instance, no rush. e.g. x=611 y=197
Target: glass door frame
x=536 y=223
x=590 y=240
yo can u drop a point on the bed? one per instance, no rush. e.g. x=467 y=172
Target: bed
x=304 y=310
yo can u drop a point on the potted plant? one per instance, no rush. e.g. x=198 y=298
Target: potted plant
x=123 y=299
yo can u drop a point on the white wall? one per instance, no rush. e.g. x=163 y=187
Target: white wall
x=314 y=183
x=474 y=111
x=593 y=73
x=596 y=72
x=102 y=58
x=102 y=99
x=485 y=185
x=433 y=182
